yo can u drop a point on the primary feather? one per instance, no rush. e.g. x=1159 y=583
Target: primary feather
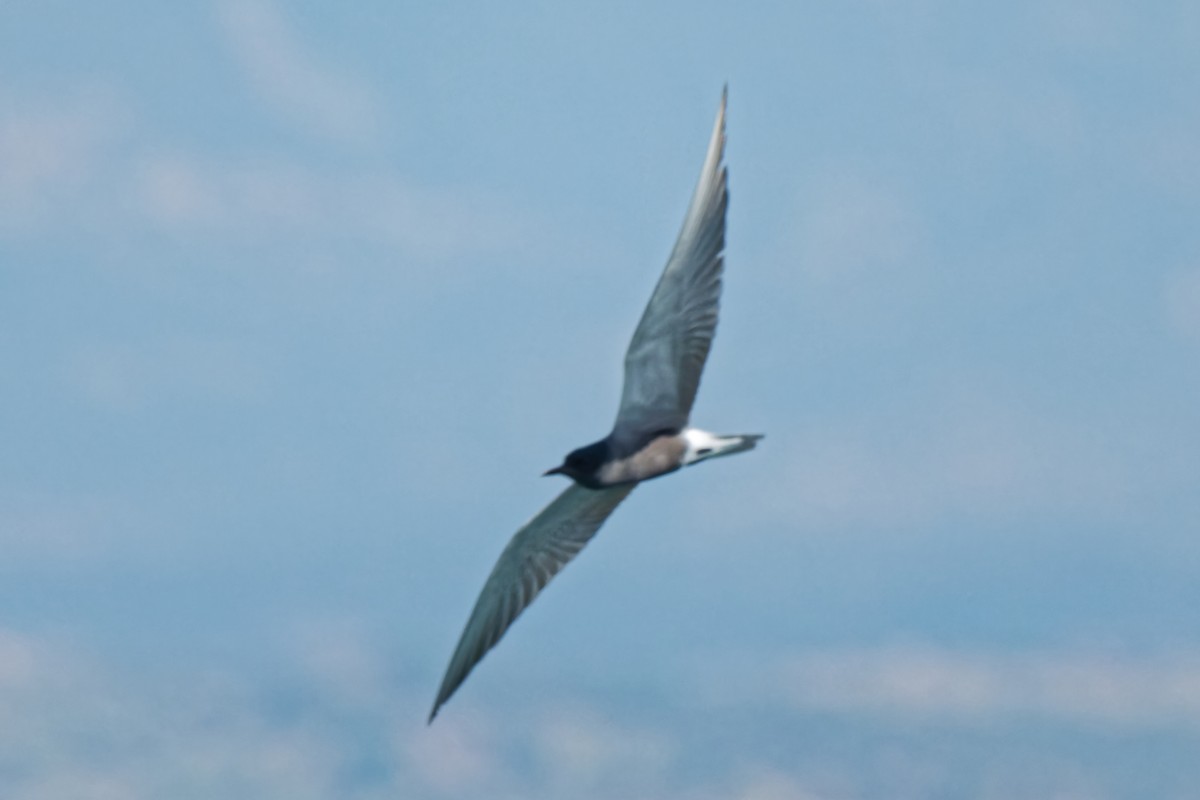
x=533 y=556
x=671 y=343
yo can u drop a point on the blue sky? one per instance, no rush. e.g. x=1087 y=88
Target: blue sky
x=298 y=303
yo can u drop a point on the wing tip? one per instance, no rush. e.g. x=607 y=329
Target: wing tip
x=721 y=109
x=442 y=697
x=716 y=155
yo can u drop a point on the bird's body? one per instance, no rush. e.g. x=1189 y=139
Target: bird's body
x=662 y=454
x=603 y=464
x=650 y=438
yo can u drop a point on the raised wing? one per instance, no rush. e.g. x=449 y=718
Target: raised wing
x=671 y=343
x=533 y=556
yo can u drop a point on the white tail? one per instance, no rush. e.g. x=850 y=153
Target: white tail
x=702 y=444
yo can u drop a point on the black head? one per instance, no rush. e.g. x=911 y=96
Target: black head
x=582 y=464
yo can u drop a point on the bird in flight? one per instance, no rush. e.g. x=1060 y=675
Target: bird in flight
x=651 y=436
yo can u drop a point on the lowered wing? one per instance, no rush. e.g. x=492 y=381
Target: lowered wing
x=533 y=556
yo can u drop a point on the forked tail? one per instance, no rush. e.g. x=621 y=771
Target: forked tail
x=703 y=445
x=738 y=443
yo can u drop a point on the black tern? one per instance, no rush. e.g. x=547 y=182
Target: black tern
x=651 y=436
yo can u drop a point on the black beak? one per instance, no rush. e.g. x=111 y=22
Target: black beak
x=555 y=471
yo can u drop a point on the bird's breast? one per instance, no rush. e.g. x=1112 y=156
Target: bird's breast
x=661 y=455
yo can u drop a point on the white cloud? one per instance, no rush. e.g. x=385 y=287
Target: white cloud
x=765 y=783
x=37 y=527
x=78 y=162
x=290 y=78
x=970 y=455
x=456 y=759
x=80 y=728
x=74 y=164
x=337 y=657
x=256 y=199
x=174 y=192
x=583 y=752
x=1091 y=688
x=51 y=153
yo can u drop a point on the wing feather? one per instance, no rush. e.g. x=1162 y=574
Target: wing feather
x=534 y=555
x=667 y=353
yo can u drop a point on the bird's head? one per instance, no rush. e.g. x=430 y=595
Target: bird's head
x=582 y=464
